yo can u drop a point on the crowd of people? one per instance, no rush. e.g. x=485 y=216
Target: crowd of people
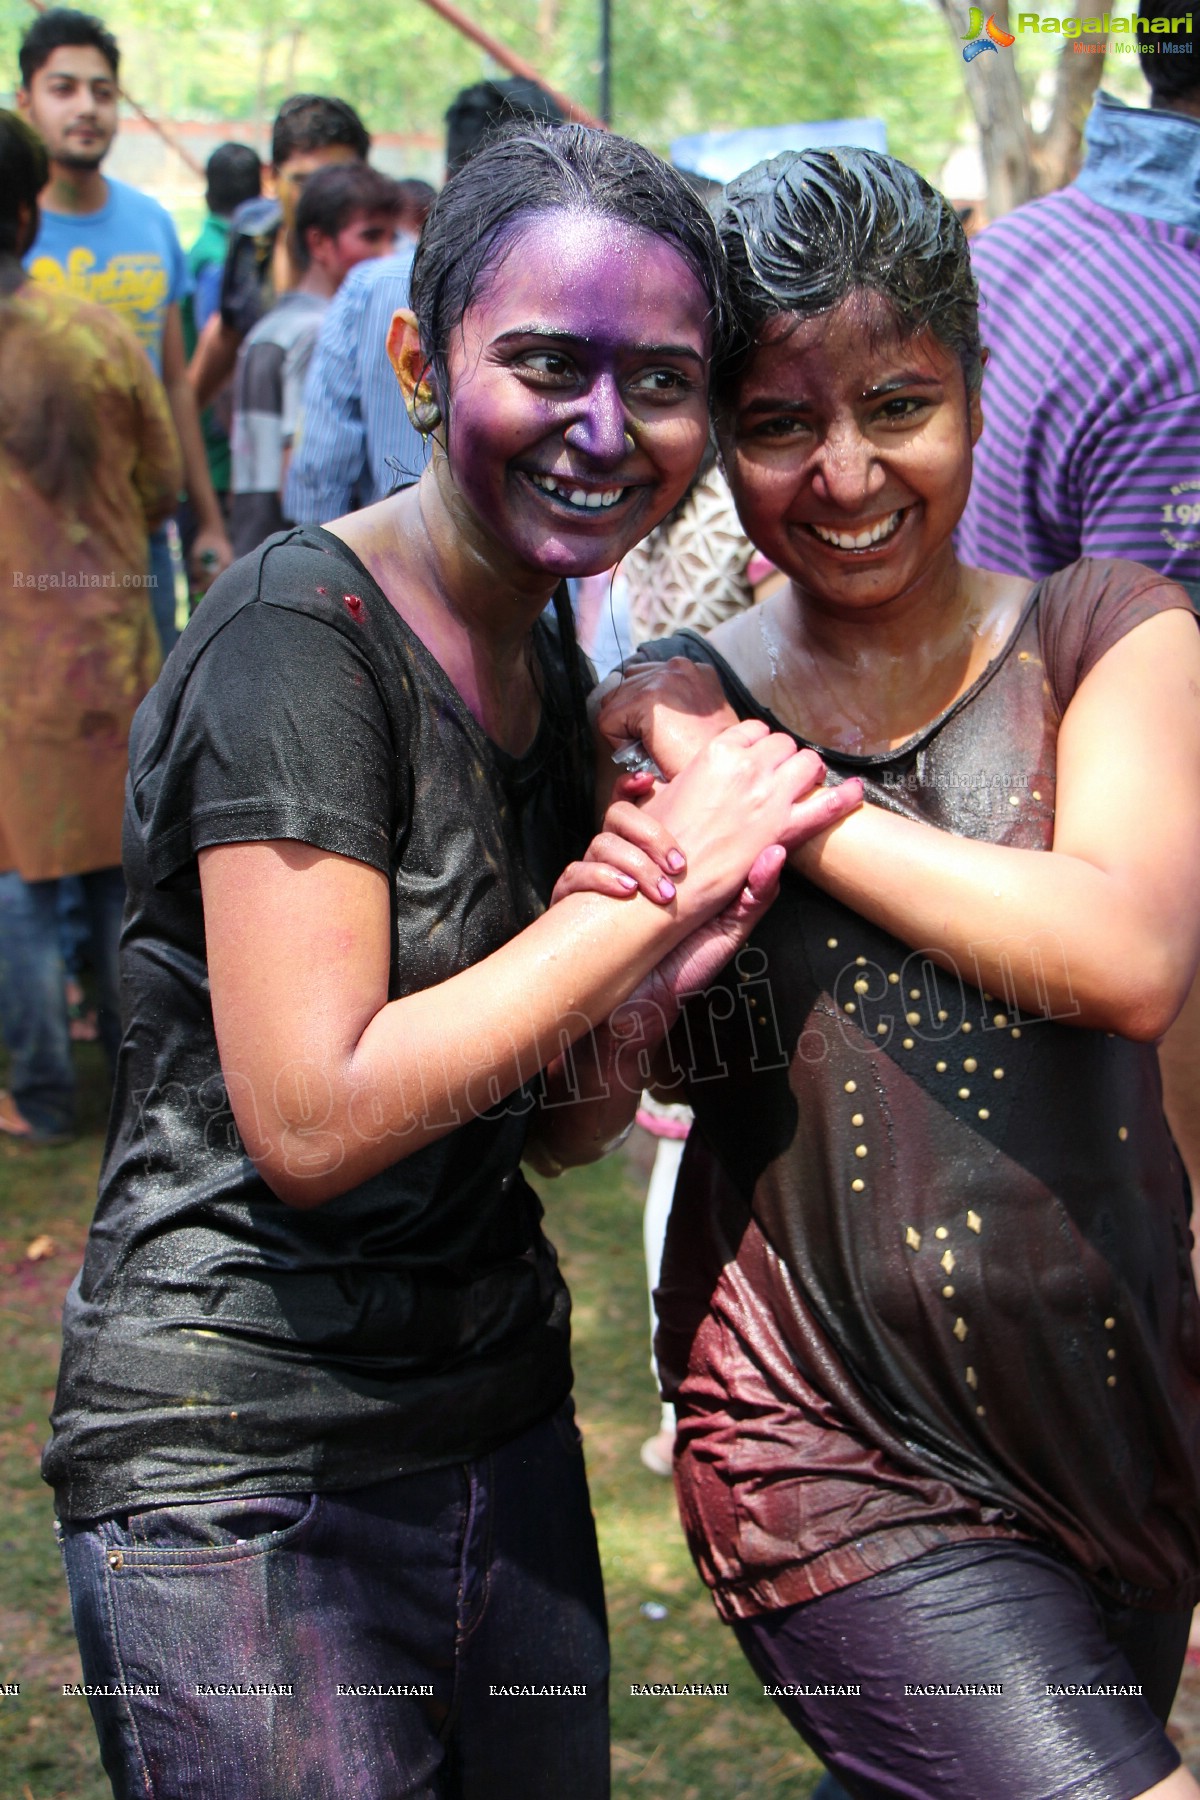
x=867 y=878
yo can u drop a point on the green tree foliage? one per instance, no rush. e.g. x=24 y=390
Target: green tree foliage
x=679 y=66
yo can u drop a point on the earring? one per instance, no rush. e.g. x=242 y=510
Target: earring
x=425 y=412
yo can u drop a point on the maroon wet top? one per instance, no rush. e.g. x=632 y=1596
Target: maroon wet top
x=927 y=1276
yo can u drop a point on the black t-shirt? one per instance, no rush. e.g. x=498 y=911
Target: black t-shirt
x=217 y=1341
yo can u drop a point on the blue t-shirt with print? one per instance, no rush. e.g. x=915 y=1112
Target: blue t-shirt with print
x=126 y=257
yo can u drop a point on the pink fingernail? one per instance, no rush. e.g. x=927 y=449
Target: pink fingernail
x=627 y=882
x=666 y=889
x=675 y=861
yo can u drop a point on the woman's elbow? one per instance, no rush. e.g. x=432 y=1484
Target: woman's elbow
x=301 y=1191
x=306 y=1169
x=1150 y=1001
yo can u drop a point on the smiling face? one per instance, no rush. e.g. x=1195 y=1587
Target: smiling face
x=578 y=393
x=71 y=102
x=848 y=449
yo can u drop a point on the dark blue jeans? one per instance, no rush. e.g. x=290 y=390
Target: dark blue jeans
x=33 y=1003
x=473 y=1592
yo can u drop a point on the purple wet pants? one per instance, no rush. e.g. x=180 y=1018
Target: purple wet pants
x=925 y=1642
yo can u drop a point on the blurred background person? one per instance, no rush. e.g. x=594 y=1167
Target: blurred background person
x=233 y=174
x=106 y=241
x=310 y=132
x=416 y=198
x=88 y=465
x=347 y=214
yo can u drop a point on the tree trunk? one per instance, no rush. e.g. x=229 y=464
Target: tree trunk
x=1057 y=151
x=1018 y=163
x=994 y=91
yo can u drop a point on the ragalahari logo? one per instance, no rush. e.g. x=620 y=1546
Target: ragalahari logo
x=983 y=37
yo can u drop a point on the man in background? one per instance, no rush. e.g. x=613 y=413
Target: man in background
x=1091 y=317
x=416 y=199
x=104 y=241
x=311 y=132
x=346 y=215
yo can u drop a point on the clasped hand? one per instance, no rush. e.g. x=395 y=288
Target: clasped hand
x=712 y=839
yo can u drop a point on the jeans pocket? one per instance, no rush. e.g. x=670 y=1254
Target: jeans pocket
x=209 y=1531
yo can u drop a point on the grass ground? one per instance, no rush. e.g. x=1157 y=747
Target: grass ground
x=663 y=1749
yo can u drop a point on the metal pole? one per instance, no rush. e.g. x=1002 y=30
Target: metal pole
x=508 y=59
x=606 y=61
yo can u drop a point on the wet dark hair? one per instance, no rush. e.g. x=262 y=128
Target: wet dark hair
x=61 y=26
x=478 y=216
x=24 y=172
x=233 y=173
x=331 y=197
x=808 y=228
x=1174 y=77
x=477 y=111
x=311 y=121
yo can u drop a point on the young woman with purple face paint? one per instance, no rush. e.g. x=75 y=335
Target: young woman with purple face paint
x=926 y=1299
x=313 y=1432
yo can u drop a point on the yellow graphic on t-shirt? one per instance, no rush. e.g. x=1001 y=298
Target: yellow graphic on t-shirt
x=135 y=286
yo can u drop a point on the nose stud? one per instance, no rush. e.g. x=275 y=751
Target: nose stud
x=630 y=441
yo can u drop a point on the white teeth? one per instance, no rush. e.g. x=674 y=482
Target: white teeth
x=849 y=540
x=589 y=502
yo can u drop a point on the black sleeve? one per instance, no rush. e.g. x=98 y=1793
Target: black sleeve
x=697 y=649
x=277 y=730
x=241 y=283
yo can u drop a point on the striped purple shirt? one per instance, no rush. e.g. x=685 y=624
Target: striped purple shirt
x=1091 y=440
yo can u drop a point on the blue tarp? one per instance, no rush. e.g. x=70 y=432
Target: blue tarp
x=720 y=155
